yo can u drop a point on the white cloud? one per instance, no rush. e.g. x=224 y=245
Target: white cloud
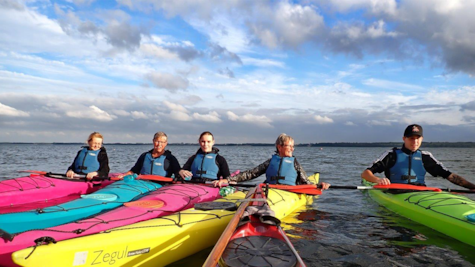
x=167 y=81
x=92 y=112
x=322 y=119
x=261 y=121
x=179 y=116
x=157 y=51
x=210 y=117
x=138 y=115
x=12 y=112
x=392 y=85
x=175 y=107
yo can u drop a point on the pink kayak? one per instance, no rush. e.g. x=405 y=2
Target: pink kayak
x=18 y=194
x=164 y=201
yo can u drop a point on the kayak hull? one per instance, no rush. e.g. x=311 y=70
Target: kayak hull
x=441 y=211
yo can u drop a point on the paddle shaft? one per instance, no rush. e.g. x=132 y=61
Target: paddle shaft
x=219 y=247
x=396 y=187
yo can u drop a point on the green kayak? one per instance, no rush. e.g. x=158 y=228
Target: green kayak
x=448 y=213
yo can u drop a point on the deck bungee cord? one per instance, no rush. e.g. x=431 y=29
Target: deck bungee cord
x=448 y=213
x=164 y=201
x=441 y=200
x=118 y=192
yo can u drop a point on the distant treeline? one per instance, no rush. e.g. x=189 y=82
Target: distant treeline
x=340 y=144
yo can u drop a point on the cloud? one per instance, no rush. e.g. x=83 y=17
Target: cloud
x=138 y=115
x=175 y=107
x=212 y=117
x=11 y=112
x=123 y=35
x=392 y=85
x=167 y=81
x=179 y=116
x=219 y=53
x=261 y=121
x=117 y=29
x=92 y=112
x=263 y=62
x=226 y=72
x=11 y=4
x=285 y=24
x=157 y=51
x=322 y=119
x=186 y=51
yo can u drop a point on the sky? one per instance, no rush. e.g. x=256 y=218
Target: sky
x=246 y=70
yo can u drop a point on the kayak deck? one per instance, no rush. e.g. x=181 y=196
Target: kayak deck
x=17 y=193
x=444 y=212
x=155 y=242
x=254 y=236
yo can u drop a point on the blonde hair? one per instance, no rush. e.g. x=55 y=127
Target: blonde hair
x=94 y=135
x=281 y=139
x=158 y=135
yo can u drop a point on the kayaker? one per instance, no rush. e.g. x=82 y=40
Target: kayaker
x=282 y=168
x=91 y=160
x=409 y=165
x=206 y=164
x=157 y=161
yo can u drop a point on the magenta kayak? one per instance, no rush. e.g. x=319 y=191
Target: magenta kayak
x=164 y=201
x=41 y=189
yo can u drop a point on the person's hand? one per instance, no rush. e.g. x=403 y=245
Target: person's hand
x=324 y=186
x=70 y=174
x=185 y=173
x=90 y=175
x=220 y=183
x=384 y=181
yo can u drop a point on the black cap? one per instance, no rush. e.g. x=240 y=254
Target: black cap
x=413 y=129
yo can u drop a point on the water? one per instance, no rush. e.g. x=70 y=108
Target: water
x=341 y=228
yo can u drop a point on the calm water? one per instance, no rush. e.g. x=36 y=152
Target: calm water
x=341 y=228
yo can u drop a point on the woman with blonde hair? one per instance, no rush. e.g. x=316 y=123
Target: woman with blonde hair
x=281 y=168
x=91 y=160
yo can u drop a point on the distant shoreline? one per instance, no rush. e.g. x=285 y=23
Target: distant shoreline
x=326 y=144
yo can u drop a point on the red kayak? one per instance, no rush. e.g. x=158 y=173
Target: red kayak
x=254 y=237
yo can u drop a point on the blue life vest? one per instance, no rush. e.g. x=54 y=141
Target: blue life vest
x=204 y=166
x=281 y=171
x=87 y=161
x=155 y=166
x=408 y=168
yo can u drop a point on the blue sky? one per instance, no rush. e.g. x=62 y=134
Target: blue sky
x=320 y=71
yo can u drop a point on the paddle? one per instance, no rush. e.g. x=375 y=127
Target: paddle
x=158 y=178
x=63 y=176
x=401 y=186
x=219 y=247
x=309 y=189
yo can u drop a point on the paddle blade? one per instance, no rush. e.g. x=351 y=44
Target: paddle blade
x=146 y=204
x=293 y=187
x=152 y=177
x=307 y=191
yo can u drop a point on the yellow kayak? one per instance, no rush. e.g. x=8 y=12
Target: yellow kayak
x=155 y=242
